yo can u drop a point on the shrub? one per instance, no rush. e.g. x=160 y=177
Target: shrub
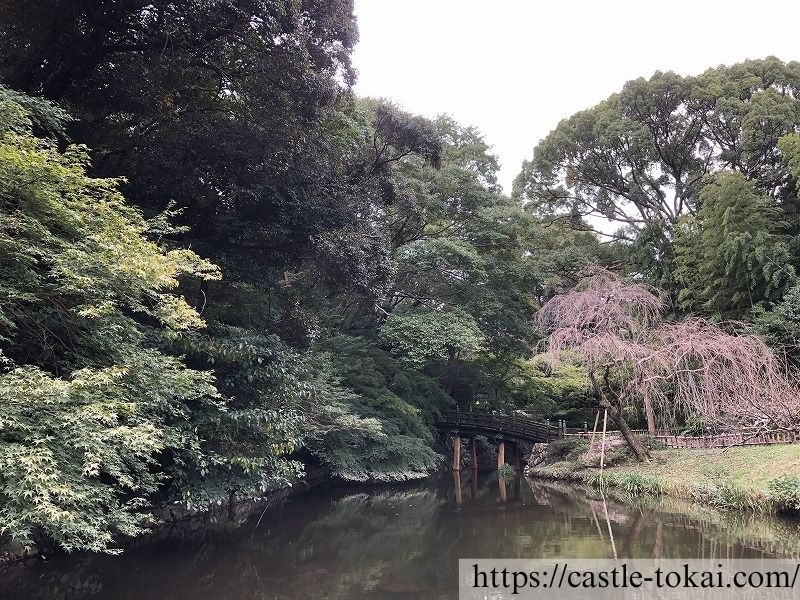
x=728 y=495
x=507 y=471
x=784 y=492
x=613 y=456
x=89 y=401
x=695 y=425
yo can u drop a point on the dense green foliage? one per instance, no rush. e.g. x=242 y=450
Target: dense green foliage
x=220 y=268
x=370 y=271
x=641 y=159
x=89 y=401
x=733 y=253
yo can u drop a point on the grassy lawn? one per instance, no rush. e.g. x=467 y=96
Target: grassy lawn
x=739 y=477
x=750 y=467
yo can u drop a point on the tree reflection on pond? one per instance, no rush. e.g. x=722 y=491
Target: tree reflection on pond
x=398 y=542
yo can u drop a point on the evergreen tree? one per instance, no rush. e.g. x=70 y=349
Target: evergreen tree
x=733 y=255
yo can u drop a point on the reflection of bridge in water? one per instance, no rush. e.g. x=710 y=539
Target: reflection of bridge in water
x=502 y=488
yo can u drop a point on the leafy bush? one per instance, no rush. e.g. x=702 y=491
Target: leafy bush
x=695 y=425
x=614 y=456
x=88 y=399
x=728 y=495
x=784 y=492
x=387 y=409
x=245 y=441
x=560 y=392
x=507 y=471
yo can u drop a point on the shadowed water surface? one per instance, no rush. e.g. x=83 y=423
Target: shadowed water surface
x=397 y=542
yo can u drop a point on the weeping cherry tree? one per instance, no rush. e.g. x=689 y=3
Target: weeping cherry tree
x=692 y=367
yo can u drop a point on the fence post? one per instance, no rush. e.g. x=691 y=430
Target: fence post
x=603 y=443
x=585 y=427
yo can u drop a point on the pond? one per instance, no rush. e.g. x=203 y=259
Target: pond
x=396 y=542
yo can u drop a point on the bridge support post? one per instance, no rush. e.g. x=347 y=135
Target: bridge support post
x=473 y=485
x=517 y=463
x=473 y=456
x=457 y=453
x=501 y=455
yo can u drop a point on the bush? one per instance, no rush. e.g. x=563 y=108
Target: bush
x=89 y=401
x=695 y=425
x=614 y=456
x=784 y=492
x=507 y=471
x=728 y=495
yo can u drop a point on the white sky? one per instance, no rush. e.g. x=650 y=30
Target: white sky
x=515 y=68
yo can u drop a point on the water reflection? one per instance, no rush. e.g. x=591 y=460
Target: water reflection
x=401 y=542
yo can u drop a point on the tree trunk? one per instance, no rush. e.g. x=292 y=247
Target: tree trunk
x=615 y=412
x=635 y=445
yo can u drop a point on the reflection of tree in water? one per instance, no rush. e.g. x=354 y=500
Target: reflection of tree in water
x=374 y=542
x=667 y=527
x=351 y=547
x=397 y=544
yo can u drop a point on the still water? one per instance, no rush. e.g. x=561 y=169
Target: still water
x=399 y=542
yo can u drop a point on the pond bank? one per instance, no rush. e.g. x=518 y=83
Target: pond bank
x=175 y=522
x=763 y=479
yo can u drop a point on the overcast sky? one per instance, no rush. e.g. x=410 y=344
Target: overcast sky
x=514 y=68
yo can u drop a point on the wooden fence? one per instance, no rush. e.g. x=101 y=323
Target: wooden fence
x=722 y=440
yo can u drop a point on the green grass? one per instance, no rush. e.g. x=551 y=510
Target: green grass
x=632 y=483
x=757 y=478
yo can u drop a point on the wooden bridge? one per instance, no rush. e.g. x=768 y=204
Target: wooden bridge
x=501 y=428
x=512 y=429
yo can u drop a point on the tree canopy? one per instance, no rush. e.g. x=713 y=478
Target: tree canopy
x=221 y=270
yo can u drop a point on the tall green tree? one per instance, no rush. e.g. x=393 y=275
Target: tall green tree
x=639 y=158
x=207 y=103
x=733 y=254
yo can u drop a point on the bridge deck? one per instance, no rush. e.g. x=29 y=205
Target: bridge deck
x=508 y=427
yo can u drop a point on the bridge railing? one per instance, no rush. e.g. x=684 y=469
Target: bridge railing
x=509 y=425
